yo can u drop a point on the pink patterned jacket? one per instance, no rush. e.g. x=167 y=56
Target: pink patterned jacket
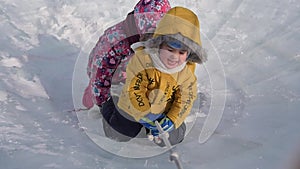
x=113 y=50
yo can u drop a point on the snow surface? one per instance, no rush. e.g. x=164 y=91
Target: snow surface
x=254 y=43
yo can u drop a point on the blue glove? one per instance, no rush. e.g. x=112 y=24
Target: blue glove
x=166 y=124
x=148 y=121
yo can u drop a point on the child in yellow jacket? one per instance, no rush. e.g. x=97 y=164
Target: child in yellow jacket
x=161 y=84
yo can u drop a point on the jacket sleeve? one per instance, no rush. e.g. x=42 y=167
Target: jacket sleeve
x=185 y=95
x=106 y=56
x=133 y=99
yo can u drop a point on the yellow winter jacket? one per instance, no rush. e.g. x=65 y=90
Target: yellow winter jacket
x=149 y=90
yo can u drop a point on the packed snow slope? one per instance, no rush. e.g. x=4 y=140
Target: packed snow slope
x=253 y=44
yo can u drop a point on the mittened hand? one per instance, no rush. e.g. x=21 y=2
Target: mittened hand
x=87 y=99
x=148 y=121
x=166 y=124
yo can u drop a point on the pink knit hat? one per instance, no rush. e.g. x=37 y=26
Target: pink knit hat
x=148 y=12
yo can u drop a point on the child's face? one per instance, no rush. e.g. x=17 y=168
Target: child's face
x=172 y=57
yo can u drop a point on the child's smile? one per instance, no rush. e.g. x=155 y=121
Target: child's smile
x=172 y=57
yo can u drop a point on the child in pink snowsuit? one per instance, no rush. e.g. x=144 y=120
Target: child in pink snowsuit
x=113 y=49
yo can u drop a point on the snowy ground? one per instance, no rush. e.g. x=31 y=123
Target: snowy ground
x=255 y=43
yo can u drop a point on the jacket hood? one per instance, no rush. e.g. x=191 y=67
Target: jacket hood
x=182 y=24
